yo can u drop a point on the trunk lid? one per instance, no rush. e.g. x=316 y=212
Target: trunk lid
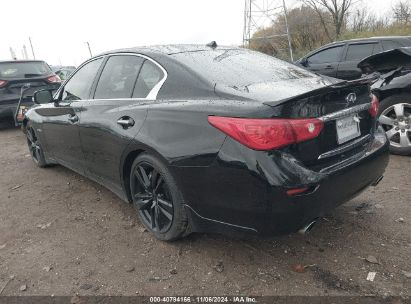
x=348 y=124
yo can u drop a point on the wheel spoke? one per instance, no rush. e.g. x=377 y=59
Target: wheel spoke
x=153 y=178
x=385 y=120
x=144 y=204
x=159 y=182
x=142 y=177
x=153 y=218
x=390 y=133
x=37 y=152
x=157 y=217
x=399 y=110
x=166 y=213
x=164 y=202
x=30 y=135
x=404 y=140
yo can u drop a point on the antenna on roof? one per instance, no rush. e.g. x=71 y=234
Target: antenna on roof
x=212 y=44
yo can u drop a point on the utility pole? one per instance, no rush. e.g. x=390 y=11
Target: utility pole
x=261 y=14
x=288 y=32
x=25 y=56
x=32 y=49
x=89 y=49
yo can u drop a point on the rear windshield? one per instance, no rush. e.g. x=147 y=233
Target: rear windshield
x=238 y=67
x=23 y=69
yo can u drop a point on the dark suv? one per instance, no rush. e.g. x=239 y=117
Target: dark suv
x=340 y=59
x=25 y=76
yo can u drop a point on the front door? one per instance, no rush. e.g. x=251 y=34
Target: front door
x=61 y=119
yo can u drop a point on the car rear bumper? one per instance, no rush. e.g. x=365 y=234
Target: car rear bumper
x=8 y=110
x=246 y=192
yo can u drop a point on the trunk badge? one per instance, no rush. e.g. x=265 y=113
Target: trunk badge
x=351 y=98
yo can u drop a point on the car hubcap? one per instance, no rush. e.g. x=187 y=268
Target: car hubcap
x=152 y=198
x=34 y=147
x=396 y=121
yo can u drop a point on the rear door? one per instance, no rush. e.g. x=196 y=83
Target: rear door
x=61 y=119
x=354 y=53
x=116 y=113
x=326 y=61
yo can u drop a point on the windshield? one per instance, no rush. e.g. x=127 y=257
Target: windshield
x=240 y=67
x=23 y=69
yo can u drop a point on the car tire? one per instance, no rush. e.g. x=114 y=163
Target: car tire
x=395 y=117
x=157 y=199
x=35 y=147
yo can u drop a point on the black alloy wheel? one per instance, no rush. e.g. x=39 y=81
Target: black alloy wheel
x=157 y=199
x=152 y=198
x=35 y=148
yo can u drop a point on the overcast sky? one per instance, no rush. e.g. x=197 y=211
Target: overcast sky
x=59 y=29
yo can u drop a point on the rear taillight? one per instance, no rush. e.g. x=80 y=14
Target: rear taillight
x=267 y=134
x=53 y=79
x=3 y=83
x=375 y=104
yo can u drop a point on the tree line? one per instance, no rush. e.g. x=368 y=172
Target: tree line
x=318 y=22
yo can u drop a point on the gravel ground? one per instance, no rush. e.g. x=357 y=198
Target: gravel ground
x=62 y=234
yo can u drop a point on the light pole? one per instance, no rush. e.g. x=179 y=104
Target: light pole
x=89 y=49
x=32 y=49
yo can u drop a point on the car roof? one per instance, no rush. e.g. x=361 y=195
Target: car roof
x=20 y=61
x=368 y=39
x=168 y=49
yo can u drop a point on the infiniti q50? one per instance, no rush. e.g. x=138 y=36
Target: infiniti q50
x=210 y=138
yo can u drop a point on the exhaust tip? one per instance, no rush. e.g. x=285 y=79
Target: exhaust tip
x=306 y=229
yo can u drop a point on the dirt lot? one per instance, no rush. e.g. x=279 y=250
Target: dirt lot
x=62 y=234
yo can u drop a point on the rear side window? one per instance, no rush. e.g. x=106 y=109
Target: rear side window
x=389 y=45
x=24 y=69
x=78 y=87
x=149 y=76
x=360 y=51
x=118 y=77
x=327 y=56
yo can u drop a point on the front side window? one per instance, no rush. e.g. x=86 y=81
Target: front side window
x=149 y=76
x=118 y=77
x=327 y=56
x=360 y=51
x=78 y=87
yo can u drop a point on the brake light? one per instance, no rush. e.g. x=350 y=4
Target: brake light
x=375 y=105
x=267 y=134
x=3 y=83
x=53 y=79
x=296 y=191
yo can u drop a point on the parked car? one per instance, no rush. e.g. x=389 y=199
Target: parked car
x=392 y=83
x=340 y=59
x=27 y=75
x=64 y=72
x=209 y=138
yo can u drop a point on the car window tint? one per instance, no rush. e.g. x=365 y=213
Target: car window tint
x=360 y=51
x=149 y=76
x=78 y=87
x=118 y=77
x=329 y=55
x=389 y=44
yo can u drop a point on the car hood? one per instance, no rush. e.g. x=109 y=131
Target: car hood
x=386 y=61
x=276 y=91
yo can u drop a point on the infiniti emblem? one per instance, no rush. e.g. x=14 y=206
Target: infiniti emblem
x=351 y=98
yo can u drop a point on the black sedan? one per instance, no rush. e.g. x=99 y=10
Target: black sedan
x=209 y=138
x=19 y=77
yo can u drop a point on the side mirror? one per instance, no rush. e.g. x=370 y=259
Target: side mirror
x=42 y=96
x=304 y=62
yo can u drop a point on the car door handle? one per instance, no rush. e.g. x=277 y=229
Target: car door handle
x=329 y=67
x=126 y=122
x=73 y=118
